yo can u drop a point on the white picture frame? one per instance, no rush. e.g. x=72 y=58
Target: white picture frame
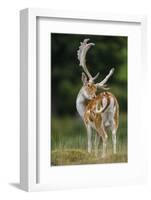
x=30 y=168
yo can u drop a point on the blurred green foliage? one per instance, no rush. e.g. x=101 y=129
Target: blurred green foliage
x=108 y=52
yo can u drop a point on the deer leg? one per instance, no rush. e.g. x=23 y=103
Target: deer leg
x=104 y=139
x=113 y=130
x=96 y=143
x=104 y=146
x=114 y=140
x=89 y=134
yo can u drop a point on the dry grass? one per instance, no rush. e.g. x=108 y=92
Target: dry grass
x=80 y=156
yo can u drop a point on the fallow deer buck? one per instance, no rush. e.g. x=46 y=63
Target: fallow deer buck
x=99 y=112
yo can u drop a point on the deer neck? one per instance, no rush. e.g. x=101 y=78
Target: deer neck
x=81 y=103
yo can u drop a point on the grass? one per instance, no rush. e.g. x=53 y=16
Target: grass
x=69 y=143
x=78 y=156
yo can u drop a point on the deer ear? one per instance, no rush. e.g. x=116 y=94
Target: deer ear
x=84 y=78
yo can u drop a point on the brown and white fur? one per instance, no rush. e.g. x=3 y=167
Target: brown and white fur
x=99 y=112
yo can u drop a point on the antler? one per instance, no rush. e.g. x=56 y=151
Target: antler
x=102 y=83
x=82 y=51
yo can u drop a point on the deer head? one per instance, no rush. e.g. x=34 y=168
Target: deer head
x=89 y=86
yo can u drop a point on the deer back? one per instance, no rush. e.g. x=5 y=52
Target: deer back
x=98 y=107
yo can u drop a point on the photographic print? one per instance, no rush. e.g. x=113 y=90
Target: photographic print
x=88 y=99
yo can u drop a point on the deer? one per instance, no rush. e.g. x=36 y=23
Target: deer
x=98 y=110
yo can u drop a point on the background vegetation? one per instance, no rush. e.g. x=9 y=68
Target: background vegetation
x=68 y=134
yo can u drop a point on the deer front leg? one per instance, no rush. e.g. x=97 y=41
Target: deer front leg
x=89 y=135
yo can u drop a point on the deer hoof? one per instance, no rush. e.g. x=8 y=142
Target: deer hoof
x=89 y=151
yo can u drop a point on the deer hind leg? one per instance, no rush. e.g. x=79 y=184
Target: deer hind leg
x=114 y=130
x=114 y=140
x=96 y=143
x=89 y=135
x=104 y=136
x=114 y=126
x=104 y=139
